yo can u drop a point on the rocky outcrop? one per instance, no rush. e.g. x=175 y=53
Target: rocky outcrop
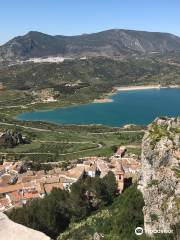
x=160 y=176
x=11 y=138
x=13 y=231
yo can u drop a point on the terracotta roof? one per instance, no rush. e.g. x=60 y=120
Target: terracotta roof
x=102 y=166
x=48 y=187
x=18 y=186
x=11 y=188
x=129 y=163
x=120 y=150
x=68 y=180
x=28 y=195
x=88 y=166
x=2 y=167
x=40 y=173
x=15 y=196
x=52 y=179
x=4 y=202
x=30 y=185
x=89 y=158
x=25 y=179
x=135 y=167
x=91 y=168
x=29 y=173
x=89 y=162
x=76 y=172
x=118 y=166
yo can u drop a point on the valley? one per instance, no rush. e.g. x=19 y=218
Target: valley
x=75 y=137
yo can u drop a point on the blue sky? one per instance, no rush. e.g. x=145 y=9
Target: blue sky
x=71 y=17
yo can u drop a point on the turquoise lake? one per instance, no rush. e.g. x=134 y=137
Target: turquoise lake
x=128 y=107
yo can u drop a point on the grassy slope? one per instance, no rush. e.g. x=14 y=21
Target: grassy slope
x=114 y=223
x=89 y=74
x=117 y=222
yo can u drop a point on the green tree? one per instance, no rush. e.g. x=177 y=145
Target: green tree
x=111 y=186
x=79 y=203
x=129 y=214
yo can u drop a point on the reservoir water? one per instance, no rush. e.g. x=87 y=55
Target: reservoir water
x=128 y=107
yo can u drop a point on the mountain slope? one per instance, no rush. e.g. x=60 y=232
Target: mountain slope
x=112 y=43
x=89 y=76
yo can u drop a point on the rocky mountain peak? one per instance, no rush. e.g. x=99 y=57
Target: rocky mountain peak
x=111 y=43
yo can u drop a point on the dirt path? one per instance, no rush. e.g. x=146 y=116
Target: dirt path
x=48 y=130
x=98 y=146
x=25 y=127
x=41 y=141
x=133 y=146
x=120 y=131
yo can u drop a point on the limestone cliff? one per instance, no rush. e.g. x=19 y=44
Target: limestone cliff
x=160 y=175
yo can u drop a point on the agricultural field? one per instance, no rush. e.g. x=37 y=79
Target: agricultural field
x=68 y=143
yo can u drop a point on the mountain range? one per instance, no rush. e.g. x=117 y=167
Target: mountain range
x=111 y=43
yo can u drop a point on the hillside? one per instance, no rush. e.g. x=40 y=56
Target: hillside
x=116 y=222
x=99 y=74
x=111 y=43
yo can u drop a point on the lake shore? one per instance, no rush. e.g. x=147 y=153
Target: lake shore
x=103 y=100
x=137 y=108
x=132 y=88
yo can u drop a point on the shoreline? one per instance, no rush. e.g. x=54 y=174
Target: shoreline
x=103 y=100
x=115 y=90
x=106 y=98
x=143 y=87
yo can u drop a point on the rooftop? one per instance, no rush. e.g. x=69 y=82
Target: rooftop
x=11 y=188
x=48 y=187
x=76 y=172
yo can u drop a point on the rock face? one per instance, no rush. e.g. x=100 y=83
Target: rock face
x=12 y=138
x=160 y=175
x=111 y=43
x=13 y=231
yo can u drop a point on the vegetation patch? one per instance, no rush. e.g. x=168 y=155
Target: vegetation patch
x=153 y=182
x=154 y=217
x=116 y=222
